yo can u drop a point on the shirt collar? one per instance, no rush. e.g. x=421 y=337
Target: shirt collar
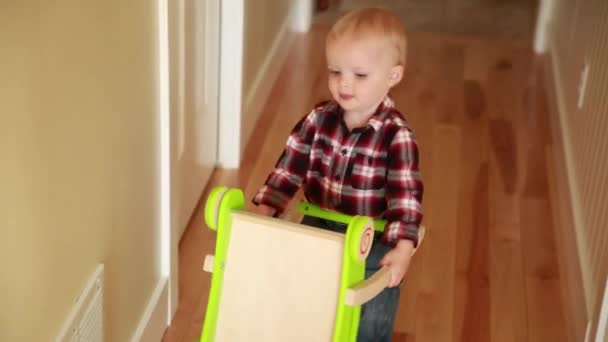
x=376 y=120
x=382 y=111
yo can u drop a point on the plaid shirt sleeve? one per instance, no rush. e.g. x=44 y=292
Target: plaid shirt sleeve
x=404 y=190
x=290 y=170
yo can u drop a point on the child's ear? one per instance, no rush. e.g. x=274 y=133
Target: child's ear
x=395 y=75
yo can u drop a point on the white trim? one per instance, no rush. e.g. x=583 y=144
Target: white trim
x=570 y=172
x=231 y=79
x=588 y=332
x=543 y=21
x=153 y=322
x=602 y=322
x=167 y=257
x=301 y=15
x=264 y=80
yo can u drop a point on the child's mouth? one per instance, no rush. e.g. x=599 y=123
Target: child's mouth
x=345 y=97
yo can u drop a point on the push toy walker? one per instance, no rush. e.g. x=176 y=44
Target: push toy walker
x=277 y=281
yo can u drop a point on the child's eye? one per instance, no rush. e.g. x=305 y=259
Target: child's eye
x=361 y=75
x=334 y=72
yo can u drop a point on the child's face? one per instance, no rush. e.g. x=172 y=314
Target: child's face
x=361 y=73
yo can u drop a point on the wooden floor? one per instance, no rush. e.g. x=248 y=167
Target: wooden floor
x=487 y=271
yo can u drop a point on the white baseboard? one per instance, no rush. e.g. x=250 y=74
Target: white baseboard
x=543 y=26
x=602 y=325
x=564 y=207
x=264 y=80
x=153 y=322
x=570 y=171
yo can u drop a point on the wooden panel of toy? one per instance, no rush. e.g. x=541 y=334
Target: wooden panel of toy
x=277 y=281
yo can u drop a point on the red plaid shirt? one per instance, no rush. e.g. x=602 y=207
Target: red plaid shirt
x=371 y=170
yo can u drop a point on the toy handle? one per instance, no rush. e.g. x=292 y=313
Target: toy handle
x=372 y=286
x=368 y=289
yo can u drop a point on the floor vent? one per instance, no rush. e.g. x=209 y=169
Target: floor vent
x=85 y=321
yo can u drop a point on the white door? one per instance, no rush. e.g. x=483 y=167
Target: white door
x=194 y=29
x=194 y=68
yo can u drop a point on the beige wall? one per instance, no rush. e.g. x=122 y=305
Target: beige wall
x=78 y=179
x=263 y=21
x=578 y=35
x=266 y=23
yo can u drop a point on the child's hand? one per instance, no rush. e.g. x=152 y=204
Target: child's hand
x=398 y=261
x=263 y=209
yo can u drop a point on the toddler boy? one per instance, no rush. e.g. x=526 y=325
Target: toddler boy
x=356 y=154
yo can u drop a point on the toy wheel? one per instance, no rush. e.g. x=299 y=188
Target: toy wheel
x=361 y=238
x=212 y=206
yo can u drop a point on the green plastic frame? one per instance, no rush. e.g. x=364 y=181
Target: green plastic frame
x=353 y=272
x=316 y=211
x=221 y=201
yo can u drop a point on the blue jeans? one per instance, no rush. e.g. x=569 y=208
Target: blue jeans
x=378 y=315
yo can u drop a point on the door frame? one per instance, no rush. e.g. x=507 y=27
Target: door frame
x=169 y=234
x=232 y=38
x=232 y=23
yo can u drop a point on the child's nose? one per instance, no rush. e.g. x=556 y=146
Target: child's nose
x=344 y=82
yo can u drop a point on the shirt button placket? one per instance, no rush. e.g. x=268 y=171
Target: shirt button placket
x=339 y=175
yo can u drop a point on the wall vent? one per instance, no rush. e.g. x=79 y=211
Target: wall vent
x=85 y=320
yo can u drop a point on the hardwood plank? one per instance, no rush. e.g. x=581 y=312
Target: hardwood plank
x=541 y=273
x=472 y=289
x=508 y=315
x=417 y=100
x=472 y=292
x=474 y=100
x=434 y=320
x=504 y=147
x=509 y=321
x=452 y=69
x=508 y=302
x=403 y=337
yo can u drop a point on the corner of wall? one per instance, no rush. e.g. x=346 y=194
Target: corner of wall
x=267 y=75
x=153 y=322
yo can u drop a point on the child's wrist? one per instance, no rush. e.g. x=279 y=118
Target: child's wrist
x=265 y=209
x=405 y=245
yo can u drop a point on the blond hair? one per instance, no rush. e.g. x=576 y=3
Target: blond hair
x=372 y=23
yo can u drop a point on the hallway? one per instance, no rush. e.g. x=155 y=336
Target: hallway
x=513 y=19
x=488 y=270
